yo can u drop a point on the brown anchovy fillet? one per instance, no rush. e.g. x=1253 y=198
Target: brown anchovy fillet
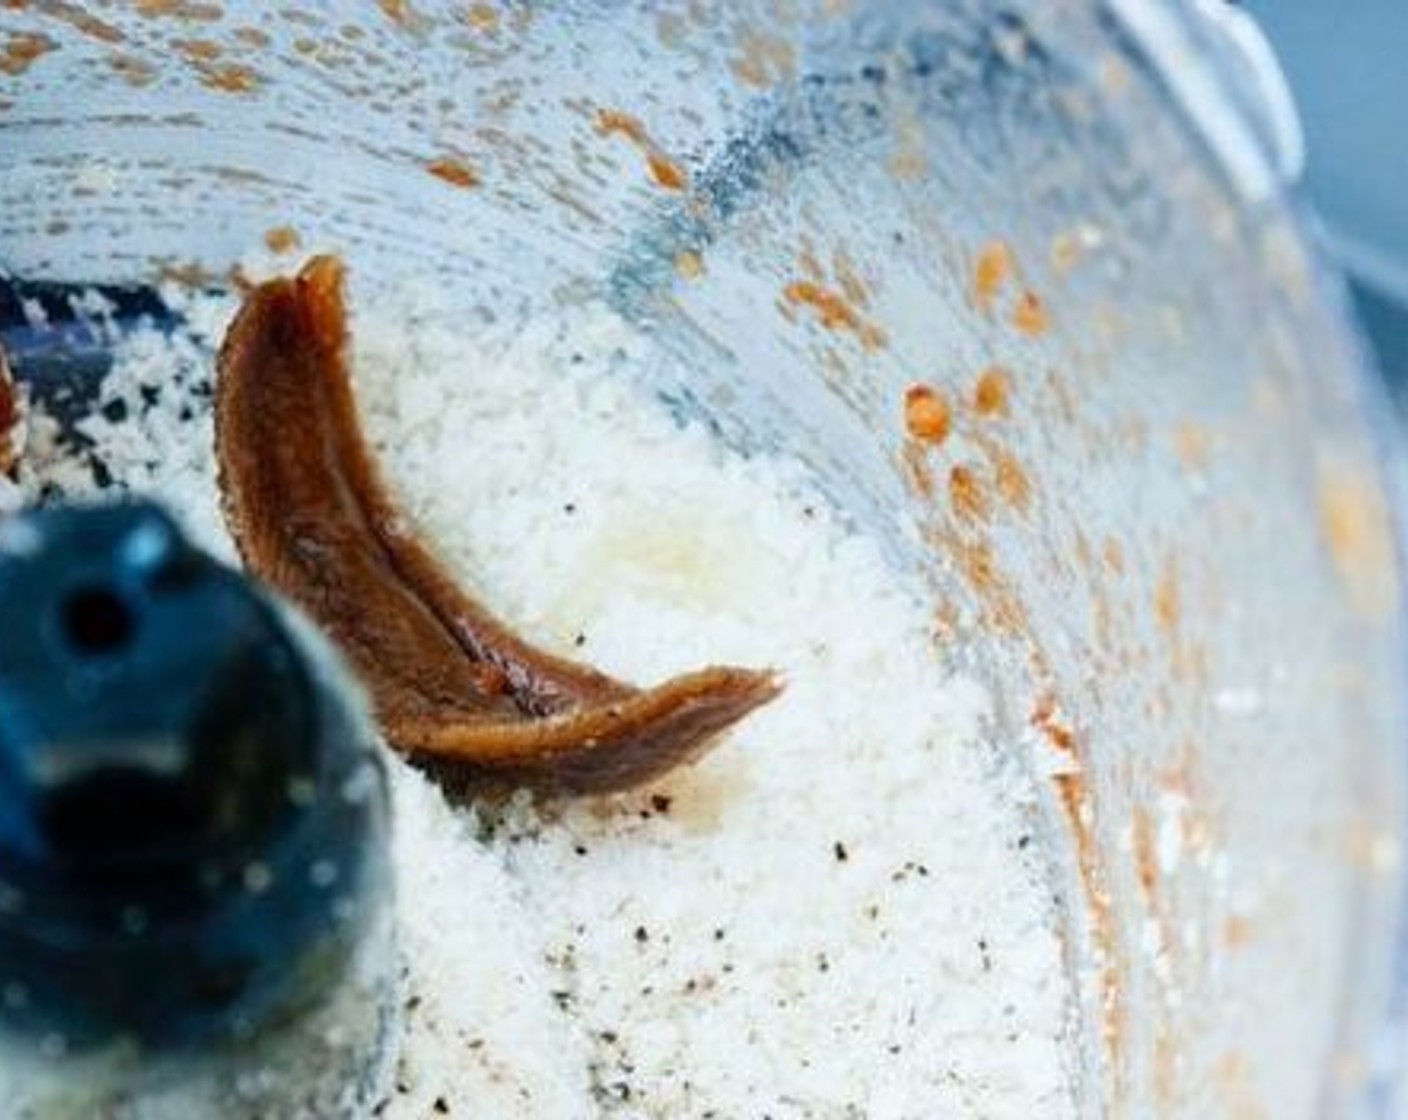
x=10 y=416
x=450 y=684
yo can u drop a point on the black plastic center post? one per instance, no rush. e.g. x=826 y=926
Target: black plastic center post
x=192 y=815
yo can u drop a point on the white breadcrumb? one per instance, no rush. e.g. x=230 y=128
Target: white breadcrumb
x=838 y=913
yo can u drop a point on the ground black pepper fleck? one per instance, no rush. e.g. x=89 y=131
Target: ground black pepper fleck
x=839 y=849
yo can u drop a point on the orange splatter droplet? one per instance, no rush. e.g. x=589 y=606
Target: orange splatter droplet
x=22 y=50
x=833 y=310
x=689 y=264
x=990 y=272
x=398 y=11
x=990 y=395
x=1029 y=315
x=666 y=172
x=198 y=50
x=1167 y=599
x=966 y=494
x=232 y=78
x=453 y=171
x=926 y=414
x=663 y=170
x=179 y=9
x=914 y=466
x=281 y=239
x=1112 y=552
x=1146 y=863
x=483 y=17
x=1012 y=482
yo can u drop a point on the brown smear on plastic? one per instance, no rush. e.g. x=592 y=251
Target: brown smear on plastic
x=450 y=684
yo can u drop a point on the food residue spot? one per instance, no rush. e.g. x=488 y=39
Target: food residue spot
x=1112 y=552
x=966 y=494
x=22 y=50
x=1167 y=598
x=990 y=272
x=1191 y=441
x=281 y=239
x=1236 y=932
x=926 y=414
x=483 y=17
x=1044 y=718
x=134 y=71
x=762 y=59
x=689 y=264
x=1065 y=252
x=198 y=50
x=663 y=170
x=666 y=172
x=1012 y=481
x=1146 y=863
x=1029 y=314
x=253 y=36
x=916 y=469
x=397 y=11
x=990 y=395
x=852 y=286
x=233 y=77
x=834 y=311
x=453 y=171
x=180 y=9
x=1356 y=527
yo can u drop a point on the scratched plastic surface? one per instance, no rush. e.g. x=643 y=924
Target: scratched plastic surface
x=1178 y=569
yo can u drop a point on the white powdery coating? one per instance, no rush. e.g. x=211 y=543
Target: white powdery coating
x=484 y=1036
x=830 y=916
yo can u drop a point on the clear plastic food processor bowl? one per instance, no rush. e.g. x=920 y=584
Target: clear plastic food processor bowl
x=1186 y=578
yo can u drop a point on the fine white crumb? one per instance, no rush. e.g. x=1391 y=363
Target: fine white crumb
x=836 y=914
